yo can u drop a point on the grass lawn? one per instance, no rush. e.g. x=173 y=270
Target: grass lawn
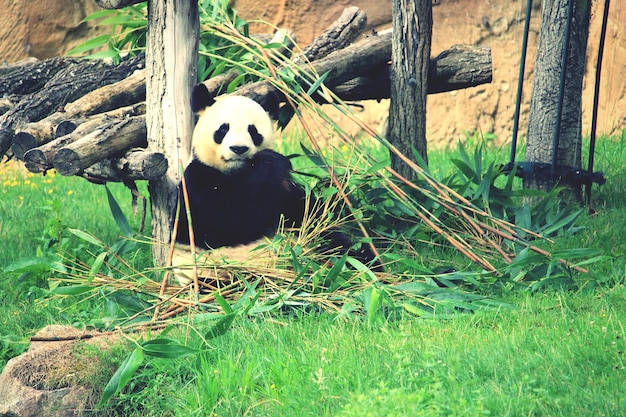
x=560 y=352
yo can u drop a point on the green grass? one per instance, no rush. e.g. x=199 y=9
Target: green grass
x=559 y=354
x=556 y=353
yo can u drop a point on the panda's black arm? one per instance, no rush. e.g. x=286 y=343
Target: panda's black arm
x=274 y=171
x=198 y=179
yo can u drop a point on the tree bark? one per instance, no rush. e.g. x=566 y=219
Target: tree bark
x=110 y=99
x=545 y=93
x=40 y=159
x=171 y=57
x=109 y=141
x=461 y=66
x=412 y=27
x=339 y=35
x=67 y=85
x=136 y=164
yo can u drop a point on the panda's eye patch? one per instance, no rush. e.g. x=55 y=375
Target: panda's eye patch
x=257 y=138
x=219 y=134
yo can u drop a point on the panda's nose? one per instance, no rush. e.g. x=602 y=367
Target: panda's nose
x=239 y=150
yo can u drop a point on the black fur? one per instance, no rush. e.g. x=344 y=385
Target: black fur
x=242 y=206
x=201 y=98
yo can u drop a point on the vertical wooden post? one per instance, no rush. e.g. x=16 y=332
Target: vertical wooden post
x=410 y=56
x=171 y=60
x=544 y=100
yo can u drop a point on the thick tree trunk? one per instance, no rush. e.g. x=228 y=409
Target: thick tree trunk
x=412 y=28
x=171 y=59
x=544 y=102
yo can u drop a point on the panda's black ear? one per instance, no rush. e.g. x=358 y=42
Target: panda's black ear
x=271 y=104
x=201 y=98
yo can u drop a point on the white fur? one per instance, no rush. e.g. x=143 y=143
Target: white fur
x=239 y=113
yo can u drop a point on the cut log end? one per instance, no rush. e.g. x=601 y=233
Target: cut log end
x=22 y=143
x=67 y=162
x=35 y=161
x=65 y=128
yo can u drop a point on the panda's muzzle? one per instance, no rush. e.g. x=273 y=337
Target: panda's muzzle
x=239 y=150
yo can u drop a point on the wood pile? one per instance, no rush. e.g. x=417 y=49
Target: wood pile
x=87 y=117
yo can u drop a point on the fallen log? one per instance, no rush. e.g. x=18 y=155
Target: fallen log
x=112 y=140
x=30 y=76
x=339 y=35
x=361 y=71
x=122 y=93
x=135 y=164
x=460 y=67
x=39 y=159
x=73 y=80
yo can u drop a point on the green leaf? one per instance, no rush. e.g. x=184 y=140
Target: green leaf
x=118 y=215
x=87 y=237
x=130 y=303
x=35 y=264
x=413 y=309
x=167 y=348
x=333 y=277
x=372 y=298
x=564 y=222
x=360 y=267
x=223 y=303
x=99 y=15
x=96 y=266
x=72 y=290
x=122 y=376
x=317 y=83
x=94 y=43
x=221 y=327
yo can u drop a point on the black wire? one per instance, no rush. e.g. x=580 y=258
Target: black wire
x=520 y=83
x=596 y=94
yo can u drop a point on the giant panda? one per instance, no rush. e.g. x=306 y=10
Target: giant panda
x=238 y=187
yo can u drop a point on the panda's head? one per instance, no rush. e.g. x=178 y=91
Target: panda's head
x=230 y=129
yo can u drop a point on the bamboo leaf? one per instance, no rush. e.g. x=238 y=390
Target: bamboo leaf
x=94 y=43
x=221 y=327
x=87 y=237
x=72 y=290
x=96 y=266
x=167 y=348
x=565 y=221
x=223 y=303
x=118 y=215
x=317 y=83
x=122 y=376
x=372 y=304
